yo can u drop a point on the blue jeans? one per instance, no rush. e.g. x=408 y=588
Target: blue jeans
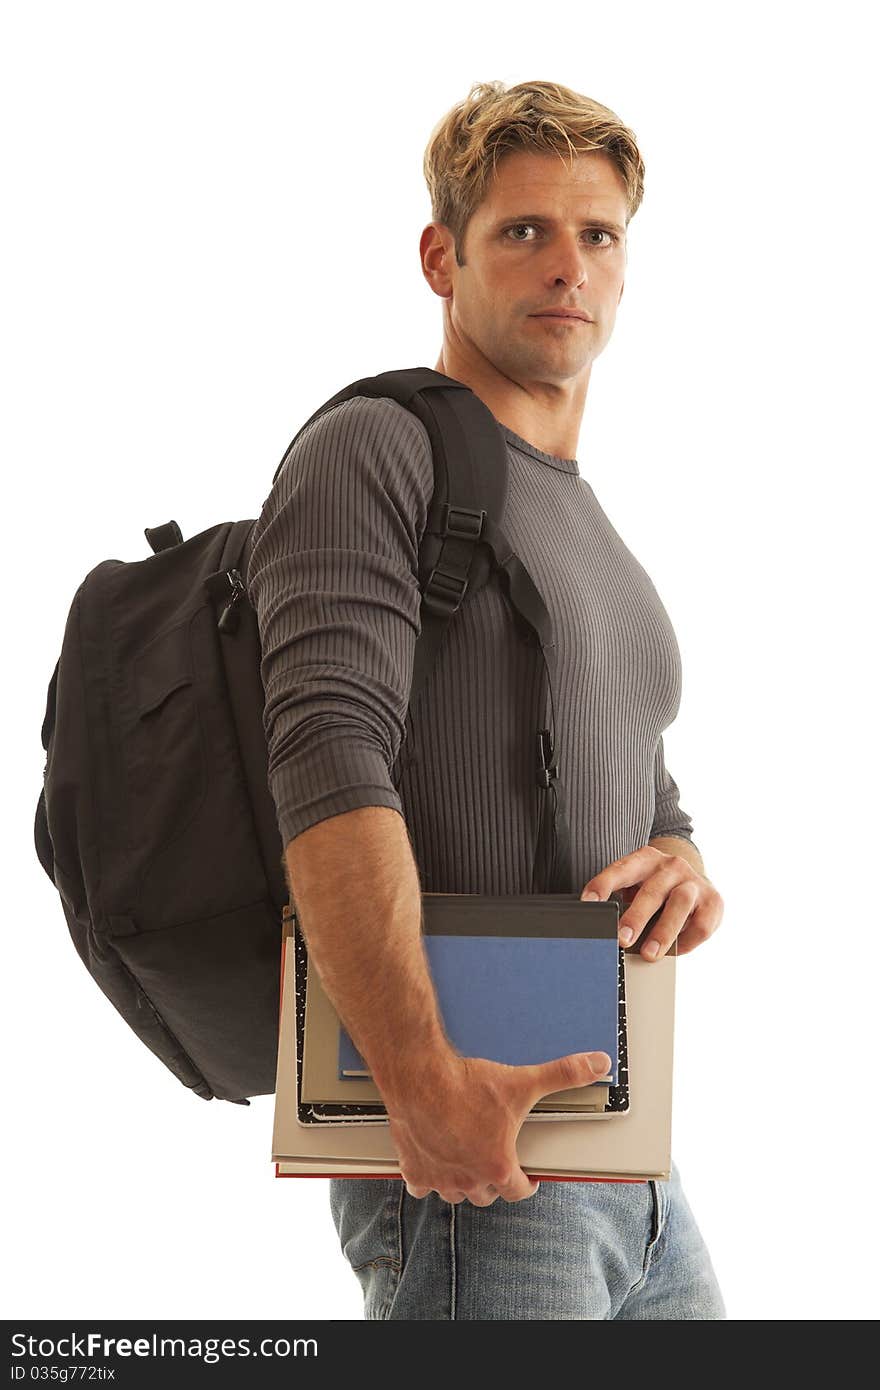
x=573 y=1250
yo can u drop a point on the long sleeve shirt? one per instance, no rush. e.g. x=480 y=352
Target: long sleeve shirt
x=332 y=571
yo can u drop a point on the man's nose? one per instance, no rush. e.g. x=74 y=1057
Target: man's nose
x=569 y=261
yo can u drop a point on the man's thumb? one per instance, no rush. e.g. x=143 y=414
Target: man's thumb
x=577 y=1069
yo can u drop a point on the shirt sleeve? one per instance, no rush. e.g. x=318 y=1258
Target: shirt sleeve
x=333 y=579
x=669 y=818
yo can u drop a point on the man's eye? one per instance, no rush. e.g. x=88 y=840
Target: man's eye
x=592 y=231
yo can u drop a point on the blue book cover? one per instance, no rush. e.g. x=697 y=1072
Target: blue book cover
x=521 y=979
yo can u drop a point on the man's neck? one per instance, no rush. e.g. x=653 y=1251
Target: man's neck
x=549 y=422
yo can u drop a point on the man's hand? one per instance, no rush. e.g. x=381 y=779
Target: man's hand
x=455 y=1122
x=650 y=880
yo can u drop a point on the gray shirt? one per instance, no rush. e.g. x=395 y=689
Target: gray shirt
x=332 y=572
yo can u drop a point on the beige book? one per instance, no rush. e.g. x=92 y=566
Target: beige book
x=632 y=1144
x=328 y=1169
x=321 y=1082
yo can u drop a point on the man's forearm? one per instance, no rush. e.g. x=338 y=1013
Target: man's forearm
x=357 y=895
x=676 y=844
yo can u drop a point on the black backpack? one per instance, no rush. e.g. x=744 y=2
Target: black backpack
x=155 y=822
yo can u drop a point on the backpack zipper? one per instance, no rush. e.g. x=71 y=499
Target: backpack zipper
x=228 y=620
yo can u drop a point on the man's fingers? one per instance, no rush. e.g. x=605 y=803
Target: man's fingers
x=519 y=1189
x=484 y=1199
x=564 y=1073
x=629 y=871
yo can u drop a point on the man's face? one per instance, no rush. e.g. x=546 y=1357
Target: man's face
x=550 y=232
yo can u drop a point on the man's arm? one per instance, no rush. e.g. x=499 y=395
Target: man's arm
x=333 y=577
x=334 y=580
x=357 y=895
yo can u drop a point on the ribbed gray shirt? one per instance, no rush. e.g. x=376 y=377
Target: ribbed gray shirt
x=332 y=572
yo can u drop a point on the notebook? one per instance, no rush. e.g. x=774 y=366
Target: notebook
x=519 y=925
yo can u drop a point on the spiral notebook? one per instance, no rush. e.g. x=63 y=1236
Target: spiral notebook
x=495 y=929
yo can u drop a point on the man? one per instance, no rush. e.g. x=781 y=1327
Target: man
x=527 y=251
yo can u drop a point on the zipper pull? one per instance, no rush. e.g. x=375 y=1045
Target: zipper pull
x=228 y=621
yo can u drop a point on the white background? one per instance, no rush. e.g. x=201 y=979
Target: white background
x=212 y=223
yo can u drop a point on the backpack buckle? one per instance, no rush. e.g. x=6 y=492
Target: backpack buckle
x=464 y=523
x=445 y=589
x=444 y=592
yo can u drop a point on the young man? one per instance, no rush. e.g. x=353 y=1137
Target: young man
x=532 y=190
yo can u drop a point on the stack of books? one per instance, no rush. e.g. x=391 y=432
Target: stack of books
x=519 y=979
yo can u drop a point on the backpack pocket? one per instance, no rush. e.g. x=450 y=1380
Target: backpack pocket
x=166 y=753
x=191 y=843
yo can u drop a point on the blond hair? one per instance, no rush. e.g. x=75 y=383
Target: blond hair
x=544 y=117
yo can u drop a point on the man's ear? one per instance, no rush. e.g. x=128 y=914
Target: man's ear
x=436 y=252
